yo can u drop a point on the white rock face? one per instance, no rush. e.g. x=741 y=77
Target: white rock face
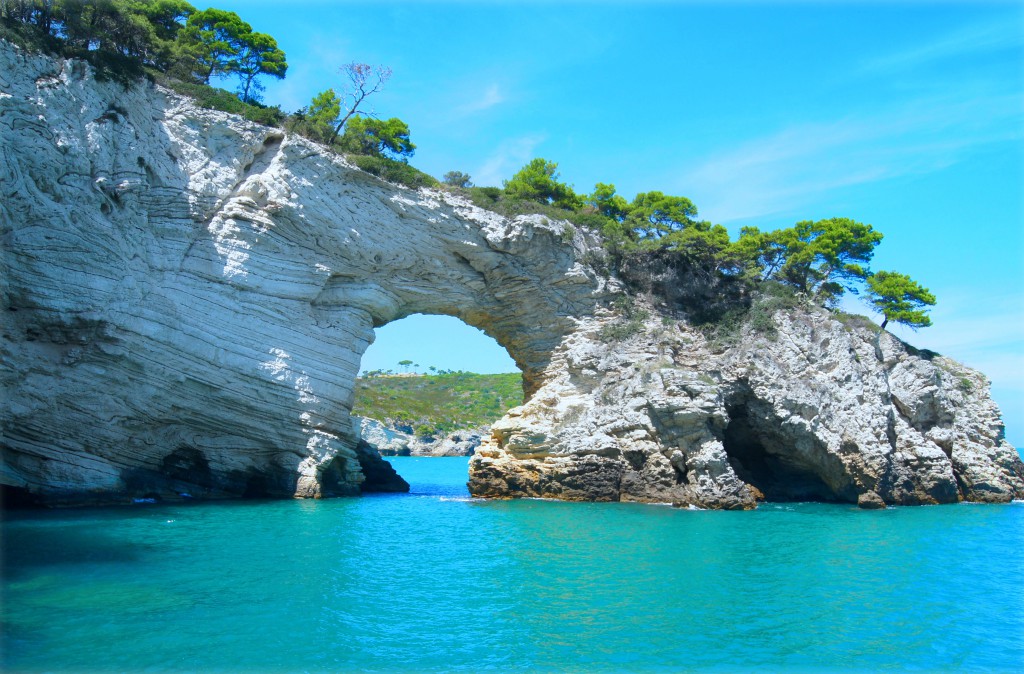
x=391 y=442
x=386 y=440
x=187 y=295
x=456 y=443
x=186 y=298
x=819 y=410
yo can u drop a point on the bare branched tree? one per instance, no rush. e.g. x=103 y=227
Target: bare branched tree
x=364 y=80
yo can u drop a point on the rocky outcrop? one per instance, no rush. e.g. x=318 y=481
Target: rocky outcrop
x=186 y=298
x=817 y=409
x=386 y=440
x=456 y=443
x=186 y=295
x=389 y=441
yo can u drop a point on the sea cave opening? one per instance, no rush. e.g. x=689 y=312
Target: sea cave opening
x=768 y=460
x=430 y=386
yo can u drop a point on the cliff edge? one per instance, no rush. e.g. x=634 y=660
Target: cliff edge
x=816 y=409
x=187 y=296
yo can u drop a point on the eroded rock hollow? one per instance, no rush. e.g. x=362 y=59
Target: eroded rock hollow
x=187 y=297
x=818 y=409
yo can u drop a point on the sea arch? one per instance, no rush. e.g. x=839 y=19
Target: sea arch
x=521 y=281
x=227 y=279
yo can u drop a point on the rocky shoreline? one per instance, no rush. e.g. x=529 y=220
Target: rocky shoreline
x=390 y=441
x=187 y=296
x=821 y=408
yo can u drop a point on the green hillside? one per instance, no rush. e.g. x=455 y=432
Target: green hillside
x=440 y=403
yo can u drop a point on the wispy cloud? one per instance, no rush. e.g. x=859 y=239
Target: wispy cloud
x=971 y=39
x=488 y=98
x=964 y=108
x=509 y=157
x=781 y=172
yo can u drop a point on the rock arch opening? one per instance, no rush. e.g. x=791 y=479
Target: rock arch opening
x=226 y=295
x=431 y=386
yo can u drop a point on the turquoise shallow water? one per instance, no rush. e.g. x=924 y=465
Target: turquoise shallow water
x=435 y=581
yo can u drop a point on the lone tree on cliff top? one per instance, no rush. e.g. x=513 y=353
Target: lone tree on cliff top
x=364 y=80
x=538 y=181
x=822 y=259
x=218 y=42
x=900 y=299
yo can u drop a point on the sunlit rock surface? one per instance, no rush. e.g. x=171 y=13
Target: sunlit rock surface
x=187 y=295
x=819 y=410
x=186 y=298
x=389 y=441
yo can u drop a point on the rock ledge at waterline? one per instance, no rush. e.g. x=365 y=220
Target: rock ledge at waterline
x=187 y=297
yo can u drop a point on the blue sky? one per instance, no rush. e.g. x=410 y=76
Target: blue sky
x=908 y=116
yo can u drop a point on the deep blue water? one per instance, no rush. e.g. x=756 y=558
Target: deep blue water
x=435 y=581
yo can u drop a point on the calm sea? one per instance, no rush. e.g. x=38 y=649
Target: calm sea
x=435 y=581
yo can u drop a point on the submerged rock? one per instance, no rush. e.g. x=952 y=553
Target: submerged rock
x=187 y=296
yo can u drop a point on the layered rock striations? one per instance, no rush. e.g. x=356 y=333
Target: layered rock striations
x=186 y=298
x=814 y=409
x=187 y=295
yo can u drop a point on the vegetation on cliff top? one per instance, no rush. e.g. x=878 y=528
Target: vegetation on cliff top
x=182 y=48
x=429 y=405
x=659 y=246
x=656 y=242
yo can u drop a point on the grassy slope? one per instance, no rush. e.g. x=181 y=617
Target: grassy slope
x=438 y=403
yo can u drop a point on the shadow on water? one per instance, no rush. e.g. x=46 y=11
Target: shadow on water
x=27 y=550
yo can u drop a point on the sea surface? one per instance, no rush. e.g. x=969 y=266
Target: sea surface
x=436 y=581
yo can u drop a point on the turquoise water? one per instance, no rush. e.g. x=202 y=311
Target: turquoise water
x=435 y=581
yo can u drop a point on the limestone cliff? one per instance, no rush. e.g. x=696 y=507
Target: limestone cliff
x=187 y=295
x=186 y=298
x=818 y=409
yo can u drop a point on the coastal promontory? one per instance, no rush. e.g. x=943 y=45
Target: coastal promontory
x=187 y=296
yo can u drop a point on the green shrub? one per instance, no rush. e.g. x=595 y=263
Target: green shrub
x=621 y=329
x=212 y=98
x=630 y=322
x=597 y=262
x=726 y=329
x=595 y=222
x=484 y=197
x=437 y=404
x=393 y=171
x=771 y=297
x=856 y=321
x=495 y=199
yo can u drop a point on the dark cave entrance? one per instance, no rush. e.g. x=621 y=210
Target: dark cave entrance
x=17 y=498
x=769 y=463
